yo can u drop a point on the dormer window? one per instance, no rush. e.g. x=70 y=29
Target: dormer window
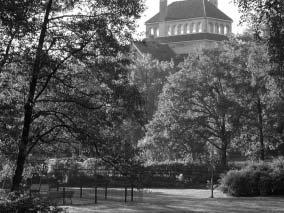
x=199 y=27
x=216 y=28
x=211 y=28
x=193 y=27
x=226 y=30
x=187 y=28
x=169 y=30
x=182 y=29
x=178 y=29
x=157 y=32
x=152 y=32
x=175 y=30
x=222 y=29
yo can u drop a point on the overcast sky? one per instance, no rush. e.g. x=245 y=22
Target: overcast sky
x=224 y=5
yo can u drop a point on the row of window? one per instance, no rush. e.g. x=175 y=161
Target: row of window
x=181 y=29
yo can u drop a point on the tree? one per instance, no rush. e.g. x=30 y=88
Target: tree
x=150 y=75
x=60 y=49
x=266 y=18
x=198 y=106
x=256 y=92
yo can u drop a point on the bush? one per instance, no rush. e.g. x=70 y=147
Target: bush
x=255 y=179
x=164 y=174
x=16 y=202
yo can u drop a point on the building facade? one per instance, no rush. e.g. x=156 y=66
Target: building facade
x=189 y=24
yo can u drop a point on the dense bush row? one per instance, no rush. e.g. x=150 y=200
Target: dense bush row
x=255 y=179
x=164 y=174
x=18 y=203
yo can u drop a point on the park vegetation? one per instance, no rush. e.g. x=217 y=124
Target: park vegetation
x=70 y=86
x=63 y=77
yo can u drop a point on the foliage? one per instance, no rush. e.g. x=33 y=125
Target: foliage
x=255 y=179
x=256 y=92
x=266 y=20
x=224 y=97
x=60 y=169
x=150 y=75
x=7 y=169
x=197 y=106
x=165 y=174
x=63 y=57
x=16 y=202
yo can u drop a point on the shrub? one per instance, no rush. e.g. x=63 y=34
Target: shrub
x=16 y=202
x=164 y=174
x=255 y=179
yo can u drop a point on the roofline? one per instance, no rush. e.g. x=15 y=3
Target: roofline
x=188 y=34
x=178 y=20
x=177 y=42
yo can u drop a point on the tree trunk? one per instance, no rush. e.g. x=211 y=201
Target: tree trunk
x=260 y=129
x=28 y=110
x=224 y=146
x=223 y=158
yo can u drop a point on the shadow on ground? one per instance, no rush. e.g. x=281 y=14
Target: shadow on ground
x=156 y=201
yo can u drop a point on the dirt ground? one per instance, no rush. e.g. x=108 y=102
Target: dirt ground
x=184 y=200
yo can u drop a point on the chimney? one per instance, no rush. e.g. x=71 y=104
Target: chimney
x=214 y=2
x=163 y=9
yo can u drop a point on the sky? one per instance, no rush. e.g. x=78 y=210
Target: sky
x=152 y=7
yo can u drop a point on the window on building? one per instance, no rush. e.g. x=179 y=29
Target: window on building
x=193 y=28
x=199 y=27
x=175 y=29
x=169 y=30
x=182 y=29
x=211 y=28
x=217 y=28
x=152 y=31
x=222 y=29
x=178 y=29
x=187 y=28
x=157 y=32
x=227 y=29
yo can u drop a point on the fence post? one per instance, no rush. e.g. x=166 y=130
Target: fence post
x=96 y=195
x=212 y=182
x=125 y=194
x=63 y=196
x=106 y=192
x=132 y=193
x=81 y=191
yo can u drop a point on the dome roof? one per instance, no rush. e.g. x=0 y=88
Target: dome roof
x=190 y=9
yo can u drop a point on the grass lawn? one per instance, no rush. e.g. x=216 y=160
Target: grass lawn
x=184 y=200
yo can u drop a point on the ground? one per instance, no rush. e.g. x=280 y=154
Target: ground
x=185 y=200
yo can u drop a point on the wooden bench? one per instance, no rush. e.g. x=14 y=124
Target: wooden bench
x=56 y=195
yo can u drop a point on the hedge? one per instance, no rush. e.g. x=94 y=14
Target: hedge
x=15 y=202
x=263 y=178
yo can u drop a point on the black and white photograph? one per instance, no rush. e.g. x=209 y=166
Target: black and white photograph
x=141 y=106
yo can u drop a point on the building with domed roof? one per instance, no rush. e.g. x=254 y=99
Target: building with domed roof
x=186 y=25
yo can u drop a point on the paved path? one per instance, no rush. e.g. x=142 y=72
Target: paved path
x=186 y=200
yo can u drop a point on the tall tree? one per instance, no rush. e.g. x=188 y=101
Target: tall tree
x=256 y=92
x=150 y=75
x=198 y=105
x=54 y=43
x=266 y=18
